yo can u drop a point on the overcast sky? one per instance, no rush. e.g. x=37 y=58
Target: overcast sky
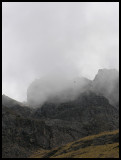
x=71 y=39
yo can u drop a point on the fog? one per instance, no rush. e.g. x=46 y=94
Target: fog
x=56 y=42
x=55 y=88
x=106 y=83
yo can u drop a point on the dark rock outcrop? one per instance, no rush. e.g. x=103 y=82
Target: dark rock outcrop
x=94 y=109
x=55 y=124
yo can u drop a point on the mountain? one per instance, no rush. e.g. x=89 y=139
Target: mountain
x=41 y=91
x=18 y=131
x=7 y=101
x=103 y=145
x=86 y=108
x=18 y=107
x=106 y=83
x=60 y=120
x=54 y=125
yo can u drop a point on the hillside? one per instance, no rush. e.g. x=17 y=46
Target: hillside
x=103 y=145
x=25 y=130
x=56 y=123
x=9 y=102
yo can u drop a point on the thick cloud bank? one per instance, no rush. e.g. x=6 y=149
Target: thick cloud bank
x=59 y=90
x=44 y=39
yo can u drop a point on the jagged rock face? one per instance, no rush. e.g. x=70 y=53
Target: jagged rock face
x=55 y=124
x=21 y=134
x=88 y=108
x=106 y=83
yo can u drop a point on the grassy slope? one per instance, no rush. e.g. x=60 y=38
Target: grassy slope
x=103 y=145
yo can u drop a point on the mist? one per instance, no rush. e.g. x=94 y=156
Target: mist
x=55 y=88
x=56 y=43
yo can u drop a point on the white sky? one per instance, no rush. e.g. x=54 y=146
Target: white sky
x=41 y=39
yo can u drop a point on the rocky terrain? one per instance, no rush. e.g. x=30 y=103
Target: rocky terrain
x=104 y=145
x=25 y=130
x=54 y=124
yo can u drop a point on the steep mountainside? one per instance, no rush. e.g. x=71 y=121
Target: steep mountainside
x=93 y=112
x=25 y=130
x=106 y=83
x=9 y=102
x=64 y=119
x=104 y=145
x=18 y=107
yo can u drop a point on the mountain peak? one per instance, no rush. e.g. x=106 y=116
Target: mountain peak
x=107 y=73
x=7 y=101
x=106 y=82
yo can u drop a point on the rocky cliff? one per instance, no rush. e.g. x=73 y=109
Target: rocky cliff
x=25 y=130
x=56 y=122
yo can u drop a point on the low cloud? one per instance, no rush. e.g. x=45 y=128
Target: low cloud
x=60 y=39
